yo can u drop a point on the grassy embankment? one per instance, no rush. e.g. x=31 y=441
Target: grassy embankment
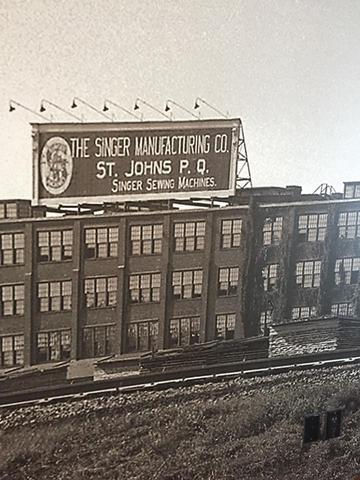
x=242 y=429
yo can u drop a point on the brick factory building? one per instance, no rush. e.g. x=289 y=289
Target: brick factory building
x=124 y=282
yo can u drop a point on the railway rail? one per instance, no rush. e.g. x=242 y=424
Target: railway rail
x=175 y=378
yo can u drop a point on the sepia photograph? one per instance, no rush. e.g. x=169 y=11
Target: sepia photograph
x=179 y=240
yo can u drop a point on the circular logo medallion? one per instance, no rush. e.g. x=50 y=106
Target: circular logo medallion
x=56 y=165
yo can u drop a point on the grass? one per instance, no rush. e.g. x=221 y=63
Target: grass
x=239 y=430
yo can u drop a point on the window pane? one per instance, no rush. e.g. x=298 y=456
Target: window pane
x=131 y=338
x=174 y=333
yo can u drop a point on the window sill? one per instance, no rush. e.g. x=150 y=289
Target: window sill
x=191 y=298
x=138 y=255
x=56 y=262
x=302 y=242
x=307 y=288
x=113 y=307
x=348 y=238
x=52 y=312
x=92 y=259
x=144 y=303
x=13 y=265
x=181 y=252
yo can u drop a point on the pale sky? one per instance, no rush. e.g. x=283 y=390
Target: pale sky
x=290 y=69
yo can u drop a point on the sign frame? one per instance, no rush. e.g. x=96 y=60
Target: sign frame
x=146 y=127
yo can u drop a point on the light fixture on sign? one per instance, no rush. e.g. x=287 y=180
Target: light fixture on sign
x=106 y=108
x=167 y=108
x=199 y=100
x=137 y=107
x=12 y=107
x=77 y=100
x=43 y=109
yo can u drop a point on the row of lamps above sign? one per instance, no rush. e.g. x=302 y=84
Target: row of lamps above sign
x=76 y=100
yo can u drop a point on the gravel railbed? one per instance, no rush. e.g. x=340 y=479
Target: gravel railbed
x=149 y=400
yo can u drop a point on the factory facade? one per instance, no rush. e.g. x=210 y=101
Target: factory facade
x=127 y=282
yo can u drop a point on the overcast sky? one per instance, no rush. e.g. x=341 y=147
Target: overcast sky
x=290 y=69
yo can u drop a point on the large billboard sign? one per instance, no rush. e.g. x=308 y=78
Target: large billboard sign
x=120 y=162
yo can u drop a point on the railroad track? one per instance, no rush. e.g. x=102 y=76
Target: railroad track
x=172 y=379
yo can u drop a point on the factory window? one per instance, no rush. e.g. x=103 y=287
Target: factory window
x=11 y=210
x=225 y=326
x=342 y=309
x=303 y=312
x=142 y=336
x=12 y=249
x=272 y=230
x=53 y=346
x=347 y=270
x=266 y=319
x=12 y=300
x=101 y=242
x=100 y=292
x=312 y=228
x=231 y=233
x=349 y=225
x=8 y=210
x=270 y=275
x=228 y=281
x=144 y=287
x=55 y=245
x=352 y=191
x=146 y=239
x=98 y=341
x=11 y=350
x=308 y=273
x=54 y=296
x=189 y=236
x=187 y=283
x=184 y=331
